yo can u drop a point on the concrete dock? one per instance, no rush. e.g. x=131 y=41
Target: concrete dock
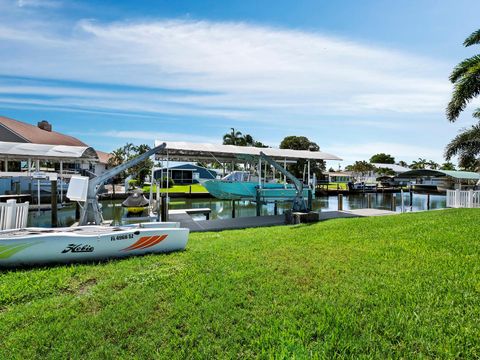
x=262 y=221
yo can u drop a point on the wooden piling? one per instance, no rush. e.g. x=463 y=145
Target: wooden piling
x=340 y=202
x=259 y=203
x=275 y=208
x=164 y=208
x=309 y=200
x=369 y=201
x=233 y=209
x=428 y=201
x=53 y=188
x=394 y=203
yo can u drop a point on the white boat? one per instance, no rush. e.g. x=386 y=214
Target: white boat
x=32 y=246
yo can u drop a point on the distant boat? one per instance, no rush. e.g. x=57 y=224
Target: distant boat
x=136 y=203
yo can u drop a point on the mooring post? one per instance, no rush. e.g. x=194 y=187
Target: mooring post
x=394 y=203
x=428 y=201
x=309 y=200
x=275 y=208
x=164 y=208
x=259 y=203
x=402 y=207
x=340 y=202
x=411 y=197
x=369 y=201
x=53 y=188
x=233 y=209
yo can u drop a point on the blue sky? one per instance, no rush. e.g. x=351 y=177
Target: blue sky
x=357 y=77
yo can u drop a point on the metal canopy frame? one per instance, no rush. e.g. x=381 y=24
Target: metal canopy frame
x=186 y=151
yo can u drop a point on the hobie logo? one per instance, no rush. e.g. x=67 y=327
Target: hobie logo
x=78 y=248
x=145 y=242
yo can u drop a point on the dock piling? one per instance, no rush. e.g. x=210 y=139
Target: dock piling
x=340 y=202
x=259 y=203
x=428 y=201
x=53 y=187
x=233 y=209
x=394 y=203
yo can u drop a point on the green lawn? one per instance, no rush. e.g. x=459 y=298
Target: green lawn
x=195 y=188
x=405 y=286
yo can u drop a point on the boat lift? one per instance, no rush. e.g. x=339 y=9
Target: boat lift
x=90 y=213
x=299 y=204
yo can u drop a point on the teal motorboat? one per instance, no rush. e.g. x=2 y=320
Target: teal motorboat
x=241 y=185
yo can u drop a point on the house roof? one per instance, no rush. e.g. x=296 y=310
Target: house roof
x=186 y=151
x=462 y=175
x=103 y=157
x=33 y=134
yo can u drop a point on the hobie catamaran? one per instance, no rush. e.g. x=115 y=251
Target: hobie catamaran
x=90 y=240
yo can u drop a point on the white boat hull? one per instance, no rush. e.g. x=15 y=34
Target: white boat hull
x=31 y=246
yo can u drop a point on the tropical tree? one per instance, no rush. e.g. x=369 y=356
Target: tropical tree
x=466 y=146
x=419 y=164
x=382 y=158
x=432 y=165
x=233 y=138
x=360 y=167
x=402 y=163
x=447 y=166
x=303 y=143
x=466 y=80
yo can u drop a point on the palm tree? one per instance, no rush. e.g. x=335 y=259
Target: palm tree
x=233 y=138
x=432 y=165
x=466 y=79
x=466 y=145
x=420 y=164
x=117 y=157
x=402 y=163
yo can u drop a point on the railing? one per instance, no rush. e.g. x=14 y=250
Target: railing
x=463 y=198
x=13 y=215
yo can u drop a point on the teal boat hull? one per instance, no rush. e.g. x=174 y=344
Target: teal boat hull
x=232 y=190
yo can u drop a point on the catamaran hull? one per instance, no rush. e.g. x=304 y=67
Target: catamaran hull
x=32 y=246
x=242 y=190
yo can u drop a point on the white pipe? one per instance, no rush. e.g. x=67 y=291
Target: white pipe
x=168 y=176
x=260 y=172
x=61 y=182
x=309 y=181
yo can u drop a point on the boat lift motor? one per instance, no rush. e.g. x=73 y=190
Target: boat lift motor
x=90 y=212
x=299 y=204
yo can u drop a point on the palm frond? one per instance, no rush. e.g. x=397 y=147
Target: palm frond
x=466 y=88
x=473 y=39
x=465 y=145
x=463 y=67
x=476 y=113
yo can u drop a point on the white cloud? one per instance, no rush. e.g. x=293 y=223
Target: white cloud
x=246 y=68
x=275 y=80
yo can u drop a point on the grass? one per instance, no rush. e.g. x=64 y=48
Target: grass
x=405 y=286
x=195 y=188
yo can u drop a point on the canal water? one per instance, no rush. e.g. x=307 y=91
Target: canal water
x=222 y=209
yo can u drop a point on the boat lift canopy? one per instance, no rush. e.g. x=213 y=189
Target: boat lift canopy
x=24 y=151
x=187 y=151
x=457 y=175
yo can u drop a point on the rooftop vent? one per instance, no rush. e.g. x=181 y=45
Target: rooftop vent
x=45 y=125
